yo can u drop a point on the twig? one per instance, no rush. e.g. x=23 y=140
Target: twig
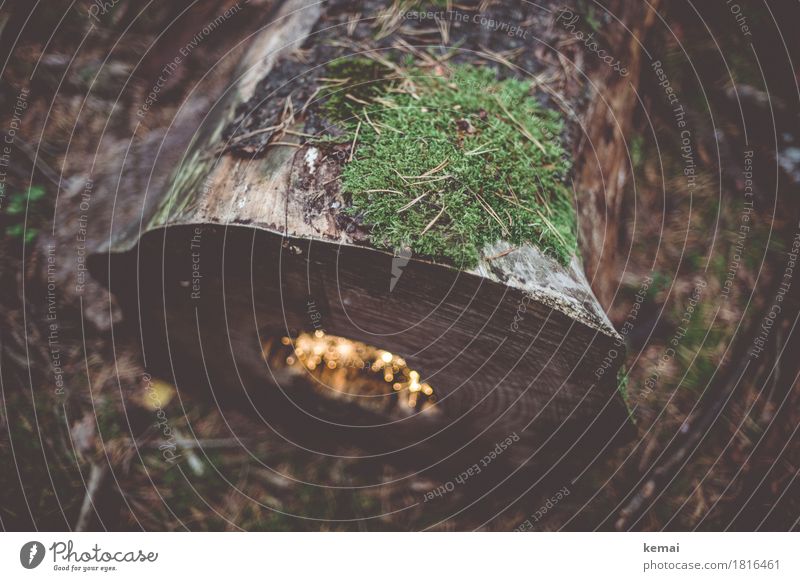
x=286 y=143
x=503 y=253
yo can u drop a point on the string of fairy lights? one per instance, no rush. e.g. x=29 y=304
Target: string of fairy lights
x=354 y=370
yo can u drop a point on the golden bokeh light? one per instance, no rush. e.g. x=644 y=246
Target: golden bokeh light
x=354 y=370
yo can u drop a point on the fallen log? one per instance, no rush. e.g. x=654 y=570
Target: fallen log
x=268 y=228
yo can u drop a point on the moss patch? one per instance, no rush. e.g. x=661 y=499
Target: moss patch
x=623 y=380
x=448 y=162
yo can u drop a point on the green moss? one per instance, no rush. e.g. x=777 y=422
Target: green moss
x=21 y=205
x=362 y=80
x=623 y=379
x=449 y=164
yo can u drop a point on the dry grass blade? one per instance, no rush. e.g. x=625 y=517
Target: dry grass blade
x=253 y=133
x=388 y=103
x=520 y=126
x=288 y=111
x=438 y=168
x=478 y=151
x=401 y=176
x=352 y=23
x=390 y=18
x=334 y=81
x=389 y=127
x=425 y=58
x=297 y=133
x=426 y=180
x=444 y=31
x=369 y=52
x=550 y=227
x=371 y=124
x=310 y=100
x=383 y=191
x=412 y=202
x=492 y=213
x=504 y=58
x=355 y=140
x=432 y=222
x=357 y=100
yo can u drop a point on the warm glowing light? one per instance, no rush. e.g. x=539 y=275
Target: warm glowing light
x=354 y=368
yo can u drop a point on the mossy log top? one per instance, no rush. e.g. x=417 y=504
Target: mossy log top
x=493 y=306
x=328 y=185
